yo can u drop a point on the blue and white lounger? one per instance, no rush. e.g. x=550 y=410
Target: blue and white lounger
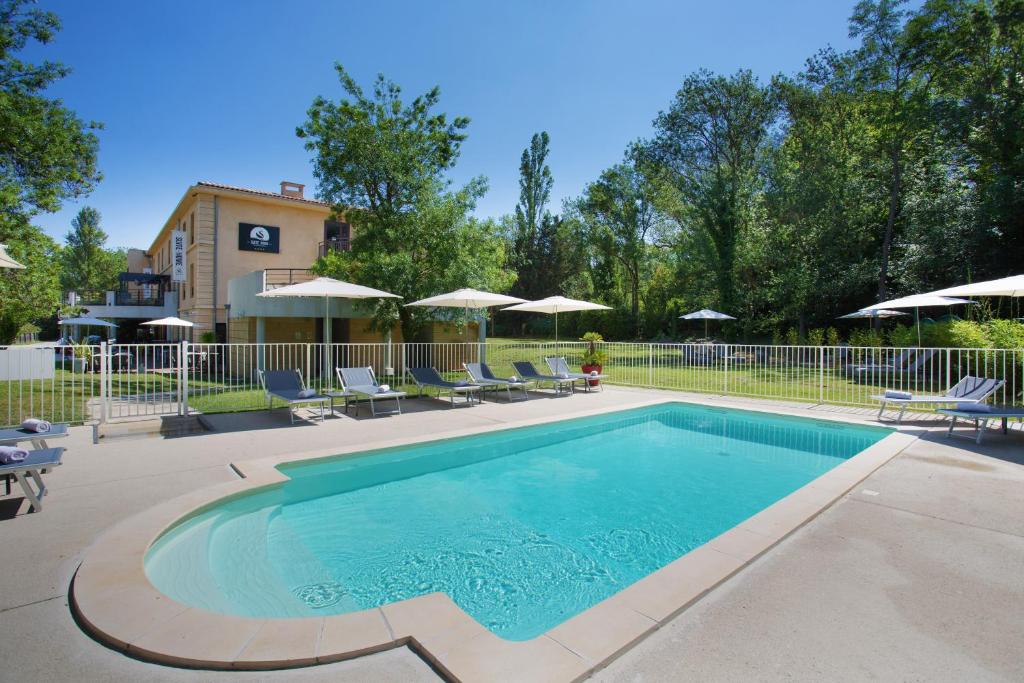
x=480 y=374
x=429 y=377
x=559 y=366
x=362 y=382
x=558 y=383
x=287 y=386
x=33 y=466
x=967 y=391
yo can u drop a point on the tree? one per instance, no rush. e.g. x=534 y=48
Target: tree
x=620 y=211
x=711 y=143
x=381 y=163
x=87 y=266
x=47 y=155
x=531 y=216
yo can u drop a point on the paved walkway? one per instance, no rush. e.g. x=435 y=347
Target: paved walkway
x=921 y=581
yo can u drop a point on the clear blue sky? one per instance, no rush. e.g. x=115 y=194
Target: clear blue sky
x=214 y=90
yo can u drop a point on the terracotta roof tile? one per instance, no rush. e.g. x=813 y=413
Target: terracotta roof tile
x=261 y=193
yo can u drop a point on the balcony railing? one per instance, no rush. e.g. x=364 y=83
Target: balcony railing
x=336 y=244
x=130 y=297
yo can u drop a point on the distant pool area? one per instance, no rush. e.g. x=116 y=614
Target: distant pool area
x=523 y=528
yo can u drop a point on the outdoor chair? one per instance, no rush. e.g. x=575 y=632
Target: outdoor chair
x=430 y=378
x=36 y=464
x=288 y=386
x=870 y=369
x=968 y=391
x=480 y=374
x=12 y=436
x=363 y=382
x=559 y=366
x=528 y=372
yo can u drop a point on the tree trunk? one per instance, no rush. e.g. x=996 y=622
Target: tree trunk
x=635 y=302
x=890 y=224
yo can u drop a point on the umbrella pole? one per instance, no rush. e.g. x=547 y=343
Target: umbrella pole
x=705 y=329
x=326 y=372
x=917 y=319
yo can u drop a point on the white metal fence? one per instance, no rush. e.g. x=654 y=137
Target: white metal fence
x=109 y=382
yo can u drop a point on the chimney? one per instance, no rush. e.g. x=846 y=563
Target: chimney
x=289 y=189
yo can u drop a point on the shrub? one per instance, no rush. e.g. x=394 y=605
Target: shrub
x=868 y=337
x=816 y=337
x=903 y=336
x=1006 y=334
x=792 y=337
x=832 y=336
x=593 y=356
x=956 y=334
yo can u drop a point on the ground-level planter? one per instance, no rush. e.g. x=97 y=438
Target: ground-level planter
x=587 y=369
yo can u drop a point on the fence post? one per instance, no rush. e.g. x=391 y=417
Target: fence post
x=821 y=374
x=183 y=378
x=726 y=380
x=104 y=369
x=650 y=365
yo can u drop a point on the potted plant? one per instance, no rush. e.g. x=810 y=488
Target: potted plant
x=594 y=359
x=82 y=358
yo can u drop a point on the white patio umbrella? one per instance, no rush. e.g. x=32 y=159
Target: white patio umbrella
x=169 y=321
x=556 y=305
x=917 y=302
x=467 y=299
x=328 y=288
x=5 y=259
x=872 y=314
x=85 y=321
x=1006 y=286
x=706 y=314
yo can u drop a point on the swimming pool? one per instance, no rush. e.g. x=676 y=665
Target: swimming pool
x=523 y=528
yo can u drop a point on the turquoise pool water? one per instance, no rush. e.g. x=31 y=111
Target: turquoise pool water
x=523 y=528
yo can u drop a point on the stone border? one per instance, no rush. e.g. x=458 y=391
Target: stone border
x=113 y=599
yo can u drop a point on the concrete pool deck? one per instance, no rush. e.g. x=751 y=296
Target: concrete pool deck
x=959 y=489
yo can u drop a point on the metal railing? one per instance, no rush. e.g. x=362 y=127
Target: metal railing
x=336 y=244
x=280 y=277
x=110 y=381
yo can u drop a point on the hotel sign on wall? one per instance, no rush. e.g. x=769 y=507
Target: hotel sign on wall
x=252 y=237
x=177 y=256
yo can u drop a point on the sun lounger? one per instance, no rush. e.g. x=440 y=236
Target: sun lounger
x=37 y=462
x=12 y=436
x=559 y=366
x=969 y=390
x=362 y=382
x=287 y=386
x=480 y=374
x=981 y=417
x=558 y=383
x=872 y=368
x=916 y=362
x=431 y=378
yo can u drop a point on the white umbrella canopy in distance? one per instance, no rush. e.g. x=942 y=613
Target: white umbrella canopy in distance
x=1006 y=286
x=5 y=259
x=85 y=321
x=706 y=314
x=872 y=313
x=466 y=299
x=328 y=288
x=918 y=301
x=556 y=305
x=169 y=321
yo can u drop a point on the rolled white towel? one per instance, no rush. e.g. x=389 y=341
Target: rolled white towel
x=12 y=454
x=463 y=383
x=383 y=388
x=513 y=379
x=35 y=425
x=899 y=395
x=974 y=407
x=307 y=393
x=564 y=375
x=593 y=373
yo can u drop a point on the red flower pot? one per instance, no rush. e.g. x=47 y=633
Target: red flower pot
x=587 y=369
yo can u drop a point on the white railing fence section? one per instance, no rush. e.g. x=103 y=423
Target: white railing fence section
x=113 y=381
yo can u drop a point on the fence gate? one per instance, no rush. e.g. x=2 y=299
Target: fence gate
x=140 y=380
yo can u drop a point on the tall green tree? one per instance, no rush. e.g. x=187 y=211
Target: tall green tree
x=47 y=155
x=382 y=164
x=620 y=209
x=87 y=265
x=531 y=215
x=711 y=142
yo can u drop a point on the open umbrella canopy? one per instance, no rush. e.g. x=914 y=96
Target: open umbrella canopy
x=706 y=314
x=5 y=260
x=918 y=301
x=330 y=288
x=86 y=322
x=170 y=321
x=873 y=313
x=556 y=305
x=1006 y=286
x=467 y=298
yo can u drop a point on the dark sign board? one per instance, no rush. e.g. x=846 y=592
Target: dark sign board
x=252 y=237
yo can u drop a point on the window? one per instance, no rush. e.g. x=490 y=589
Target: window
x=192 y=228
x=192 y=280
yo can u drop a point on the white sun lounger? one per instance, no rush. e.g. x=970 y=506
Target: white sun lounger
x=286 y=385
x=362 y=382
x=37 y=462
x=967 y=391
